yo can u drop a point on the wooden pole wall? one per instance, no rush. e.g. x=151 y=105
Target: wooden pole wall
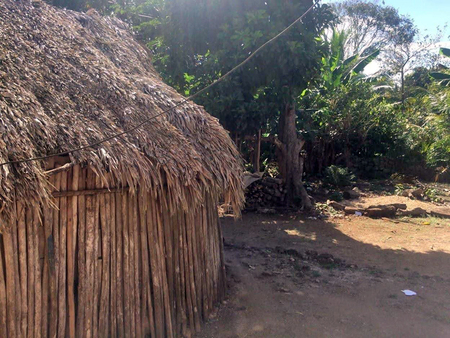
x=109 y=265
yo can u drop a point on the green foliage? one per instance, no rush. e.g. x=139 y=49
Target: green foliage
x=195 y=42
x=373 y=26
x=336 y=69
x=438 y=153
x=82 y=5
x=337 y=196
x=344 y=107
x=431 y=194
x=399 y=189
x=345 y=116
x=338 y=176
x=442 y=77
x=271 y=169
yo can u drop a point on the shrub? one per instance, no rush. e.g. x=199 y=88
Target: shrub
x=336 y=196
x=338 y=176
x=399 y=189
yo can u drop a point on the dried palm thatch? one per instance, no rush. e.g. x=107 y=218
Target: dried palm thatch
x=68 y=79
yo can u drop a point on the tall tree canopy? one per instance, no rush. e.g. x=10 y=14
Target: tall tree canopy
x=305 y=94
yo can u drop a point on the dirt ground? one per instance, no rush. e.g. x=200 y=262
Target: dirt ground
x=291 y=276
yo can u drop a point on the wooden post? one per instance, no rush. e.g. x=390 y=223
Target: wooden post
x=3 y=302
x=62 y=259
x=113 y=266
x=155 y=268
x=257 y=153
x=148 y=323
x=89 y=284
x=126 y=269
x=105 y=218
x=121 y=332
x=10 y=281
x=97 y=263
x=15 y=261
x=72 y=211
x=21 y=225
x=81 y=255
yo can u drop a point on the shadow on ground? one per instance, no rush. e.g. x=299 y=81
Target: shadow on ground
x=270 y=297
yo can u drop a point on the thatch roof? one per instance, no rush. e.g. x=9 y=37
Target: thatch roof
x=68 y=79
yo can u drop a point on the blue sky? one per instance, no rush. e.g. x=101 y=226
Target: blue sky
x=427 y=14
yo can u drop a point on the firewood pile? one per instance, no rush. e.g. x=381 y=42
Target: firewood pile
x=267 y=192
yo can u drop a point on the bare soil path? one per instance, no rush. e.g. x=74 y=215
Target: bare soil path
x=291 y=276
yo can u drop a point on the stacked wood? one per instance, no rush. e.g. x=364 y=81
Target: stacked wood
x=109 y=263
x=268 y=192
x=376 y=211
x=417 y=194
x=386 y=210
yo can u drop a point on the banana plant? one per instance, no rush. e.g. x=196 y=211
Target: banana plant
x=338 y=70
x=442 y=77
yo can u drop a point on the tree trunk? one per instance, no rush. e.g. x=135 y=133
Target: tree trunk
x=289 y=160
x=402 y=80
x=347 y=152
x=257 y=153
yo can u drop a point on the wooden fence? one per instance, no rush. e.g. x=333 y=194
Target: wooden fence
x=108 y=263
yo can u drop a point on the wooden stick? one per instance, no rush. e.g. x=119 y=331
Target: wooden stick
x=81 y=256
x=48 y=241
x=132 y=265
x=31 y=270
x=192 y=269
x=55 y=171
x=48 y=219
x=105 y=216
x=72 y=221
x=126 y=268
x=36 y=224
x=41 y=267
x=167 y=229
x=3 y=300
x=96 y=262
x=184 y=309
x=165 y=289
x=10 y=281
x=88 y=192
x=196 y=263
x=62 y=293
x=201 y=248
x=69 y=261
x=222 y=258
x=212 y=209
x=137 y=265
x=187 y=277
x=53 y=243
x=208 y=259
x=111 y=199
x=89 y=284
x=16 y=272
x=121 y=332
x=147 y=312
x=155 y=269
x=21 y=225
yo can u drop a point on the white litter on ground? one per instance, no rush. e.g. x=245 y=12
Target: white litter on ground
x=409 y=293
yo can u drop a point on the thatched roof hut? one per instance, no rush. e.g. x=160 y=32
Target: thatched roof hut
x=121 y=239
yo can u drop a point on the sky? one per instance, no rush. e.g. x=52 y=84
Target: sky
x=427 y=14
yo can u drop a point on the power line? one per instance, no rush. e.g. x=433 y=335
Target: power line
x=201 y=91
